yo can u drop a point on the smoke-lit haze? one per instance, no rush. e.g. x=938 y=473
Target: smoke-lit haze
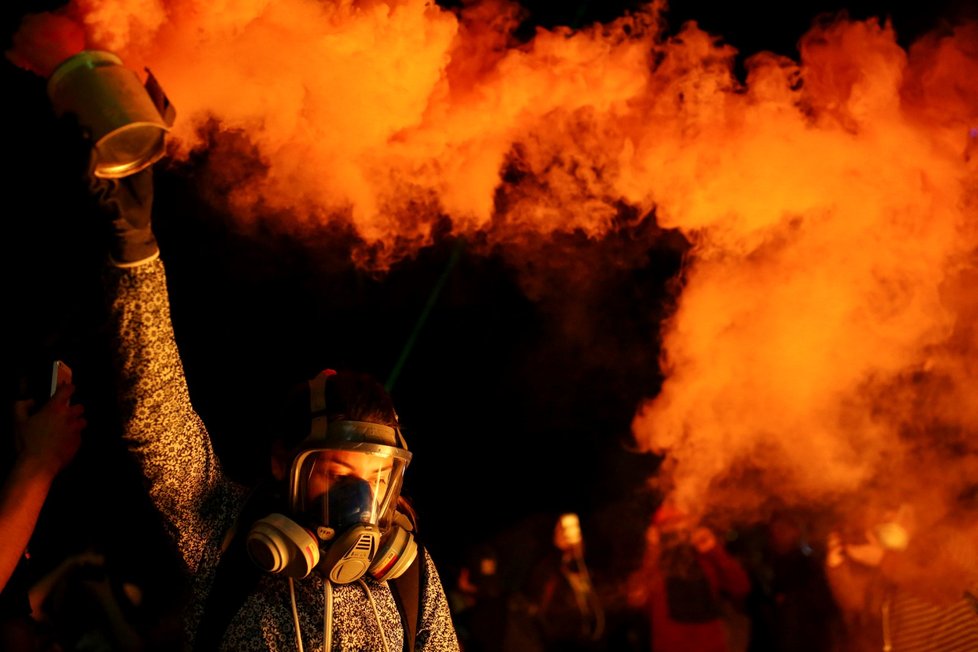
x=825 y=336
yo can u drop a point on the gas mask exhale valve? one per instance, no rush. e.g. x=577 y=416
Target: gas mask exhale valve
x=351 y=536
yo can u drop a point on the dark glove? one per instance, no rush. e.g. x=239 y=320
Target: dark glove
x=125 y=204
x=128 y=203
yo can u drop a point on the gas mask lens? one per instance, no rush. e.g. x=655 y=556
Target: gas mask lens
x=335 y=490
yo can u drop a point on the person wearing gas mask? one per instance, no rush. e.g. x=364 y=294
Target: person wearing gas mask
x=341 y=569
x=338 y=567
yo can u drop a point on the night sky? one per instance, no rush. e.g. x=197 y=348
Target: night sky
x=515 y=396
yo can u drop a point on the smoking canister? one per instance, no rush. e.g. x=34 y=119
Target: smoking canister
x=127 y=131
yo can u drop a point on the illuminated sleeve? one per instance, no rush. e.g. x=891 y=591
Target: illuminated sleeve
x=436 y=631
x=161 y=428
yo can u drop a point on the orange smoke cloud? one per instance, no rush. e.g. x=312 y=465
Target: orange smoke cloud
x=823 y=334
x=371 y=109
x=825 y=330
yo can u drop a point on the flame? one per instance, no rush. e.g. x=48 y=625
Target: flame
x=824 y=340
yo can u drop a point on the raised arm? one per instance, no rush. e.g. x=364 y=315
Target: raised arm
x=162 y=430
x=731 y=577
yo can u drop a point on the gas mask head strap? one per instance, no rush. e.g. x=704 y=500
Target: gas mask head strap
x=317 y=404
x=353 y=430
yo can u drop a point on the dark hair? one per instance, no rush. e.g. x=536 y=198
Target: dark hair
x=355 y=396
x=350 y=396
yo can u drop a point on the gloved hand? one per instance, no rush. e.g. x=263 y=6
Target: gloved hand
x=124 y=205
x=128 y=203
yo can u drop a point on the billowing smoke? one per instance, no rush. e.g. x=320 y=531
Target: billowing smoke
x=824 y=334
x=824 y=341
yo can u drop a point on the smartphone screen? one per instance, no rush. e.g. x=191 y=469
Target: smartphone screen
x=60 y=375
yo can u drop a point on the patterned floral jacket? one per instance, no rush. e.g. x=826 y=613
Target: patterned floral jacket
x=200 y=504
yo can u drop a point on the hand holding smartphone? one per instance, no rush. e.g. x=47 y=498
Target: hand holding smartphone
x=60 y=375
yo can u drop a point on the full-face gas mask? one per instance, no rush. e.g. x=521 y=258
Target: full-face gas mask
x=344 y=485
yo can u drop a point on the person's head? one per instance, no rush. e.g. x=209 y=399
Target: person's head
x=670 y=526
x=567 y=533
x=785 y=533
x=335 y=396
x=935 y=554
x=343 y=457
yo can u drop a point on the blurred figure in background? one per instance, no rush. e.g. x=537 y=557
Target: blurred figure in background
x=554 y=606
x=85 y=604
x=479 y=602
x=569 y=608
x=565 y=612
x=791 y=605
x=908 y=586
x=683 y=583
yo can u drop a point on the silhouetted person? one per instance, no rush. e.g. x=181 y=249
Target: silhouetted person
x=562 y=608
x=482 y=602
x=792 y=607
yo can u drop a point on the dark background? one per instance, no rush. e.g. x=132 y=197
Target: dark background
x=516 y=397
